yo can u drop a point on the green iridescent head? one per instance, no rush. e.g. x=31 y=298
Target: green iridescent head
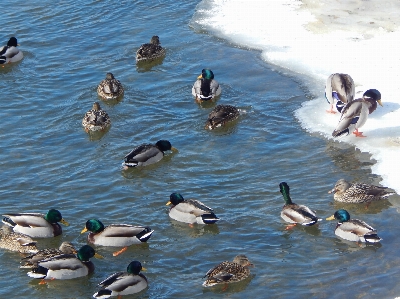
x=54 y=216
x=134 y=268
x=207 y=74
x=86 y=252
x=94 y=226
x=341 y=215
x=176 y=198
x=284 y=188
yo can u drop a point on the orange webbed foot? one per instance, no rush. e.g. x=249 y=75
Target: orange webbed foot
x=120 y=251
x=290 y=226
x=358 y=134
x=331 y=111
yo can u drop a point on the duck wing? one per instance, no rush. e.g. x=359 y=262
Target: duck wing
x=143 y=153
x=26 y=219
x=123 y=230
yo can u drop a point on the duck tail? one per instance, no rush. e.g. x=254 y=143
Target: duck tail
x=210 y=218
x=104 y=293
x=338 y=134
x=8 y=221
x=372 y=238
x=145 y=234
x=39 y=272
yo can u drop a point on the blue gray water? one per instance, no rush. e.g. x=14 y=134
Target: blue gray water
x=48 y=161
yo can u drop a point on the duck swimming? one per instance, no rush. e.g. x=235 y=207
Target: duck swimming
x=116 y=235
x=147 y=154
x=96 y=119
x=110 y=88
x=123 y=283
x=10 y=53
x=355 y=114
x=13 y=241
x=32 y=261
x=36 y=225
x=66 y=266
x=190 y=210
x=339 y=91
x=353 y=229
x=220 y=116
x=206 y=87
x=358 y=192
x=229 y=272
x=294 y=213
x=151 y=51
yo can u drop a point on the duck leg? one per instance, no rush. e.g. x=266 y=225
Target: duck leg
x=358 y=134
x=331 y=110
x=290 y=226
x=120 y=251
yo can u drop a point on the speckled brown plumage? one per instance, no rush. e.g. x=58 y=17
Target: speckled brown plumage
x=221 y=115
x=110 y=88
x=151 y=51
x=228 y=272
x=16 y=241
x=358 y=192
x=96 y=119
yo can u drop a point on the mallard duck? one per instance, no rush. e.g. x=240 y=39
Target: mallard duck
x=32 y=261
x=66 y=266
x=96 y=119
x=206 y=87
x=10 y=53
x=151 y=51
x=110 y=88
x=294 y=213
x=123 y=283
x=116 y=235
x=220 y=116
x=358 y=193
x=147 y=154
x=16 y=241
x=36 y=225
x=339 y=90
x=355 y=114
x=354 y=229
x=190 y=210
x=228 y=272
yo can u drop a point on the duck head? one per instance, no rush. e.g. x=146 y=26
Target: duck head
x=284 y=189
x=93 y=225
x=175 y=199
x=341 y=215
x=54 y=216
x=135 y=267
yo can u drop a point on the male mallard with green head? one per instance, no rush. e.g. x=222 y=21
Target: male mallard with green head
x=206 y=87
x=353 y=229
x=36 y=225
x=10 y=53
x=123 y=283
x=339 y=91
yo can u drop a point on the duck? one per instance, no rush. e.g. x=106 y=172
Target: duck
x=339 y=91
x=151 y=51
x=355 y=114
x=116 y=235
x=220 y=116
x=110 y=88
x=147 y=154
x=36 y=225
x=353 y=229
x=190 y=210
x=358 y=192
x=96 y=119
x=206 y=88
x=123 y=283
x=10 y=53
x=32 y=260
x=229 y=272
x=66 y=266
x=294 y=213
x=18 y=242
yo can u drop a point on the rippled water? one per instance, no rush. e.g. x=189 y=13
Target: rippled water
x=48 y=161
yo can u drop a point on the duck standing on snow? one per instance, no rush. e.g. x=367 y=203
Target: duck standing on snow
x=353 y=229
x=36 y=225
x=358 y=192
x=228 y=272
x=66 y=266
x=294 y=213
x=339 y=91
x=147 y=154
x=355 y=114
x=110 y=88
x=221 y=115
x=190 y=210
x=116 y=235
x=10 y=53
x=151 y=51
x=96 y=119
x=206 y=87
x=123 y=283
